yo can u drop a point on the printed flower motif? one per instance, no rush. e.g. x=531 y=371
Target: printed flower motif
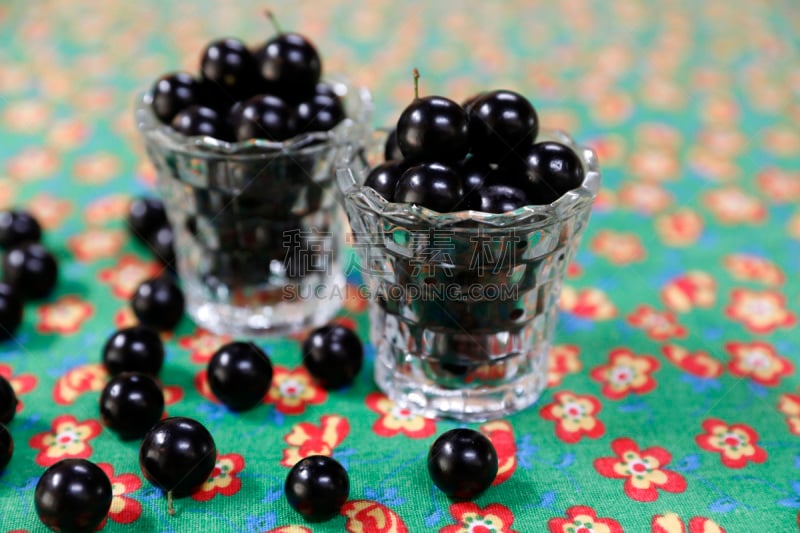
x=642 y=470
x=202 y=344
x=395 y=419
x=626 y=373
x=67 y=439
x=96 y=243
x=67 y=134
x=354 y=301
x=590 y=303
x=690 y=290
x=292 y=390
x=672 y=523
x=563 y=360
x=501 y=434
x=290 y=529
x=781 y=141
x=124 y=509
x=79 y=380
x=680 y=228
x=306 y=439
x=8 y=190
x=654 y=164
x=32 y=163
x=723 y=141
x=494 y=518
x=699 y=364
x=107 y=209
x=659 y=325
x=575 y=416
x=793 y=226
x=733 y=206
x=64 y=316
x=780 y=186
x=645 y=197
x=96 y=168
x=124 y=318
x=583 y=519
x=759 y=311
x=203 y=388
x=223 y=479
x=27 y=116
x=789 y=405
x=127 y=274
x=609 y=148
x=368 y=516
x=617 y=247
x=49 y=210
x=712 y=164
x=753 y=268
x=21 y=383
x=736 y=443
x=758 y=361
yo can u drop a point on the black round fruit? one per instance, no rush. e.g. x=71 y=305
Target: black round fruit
x=11 y=310
x=552 y=169
x=432 y=185
x=384 y=177
x=131 y=404
x=146 y=216
x=391 y=151
x=18 y=227
x=321 y=113
x=462 y=463
x=158 y=303
x=317 y=487
x=501 y=122
x=433 y=128
x=73 y=495
x=264 y=117
x=6 y=447
x=8 y=401
x=31 y=270
x=497 y=199
x=290 y=65
x=239 y=374
x=173 y=92
x=162 y=244
x=134 y=349
x=333 y=355
x=199 y=120
x=177 y=455
x=474 y=172
x=229 y=70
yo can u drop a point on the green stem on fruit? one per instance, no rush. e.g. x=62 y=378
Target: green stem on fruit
x=271 y=17
x=170 y=506
x=416 y=84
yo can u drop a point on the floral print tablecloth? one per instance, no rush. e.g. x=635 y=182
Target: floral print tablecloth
x=673 y=401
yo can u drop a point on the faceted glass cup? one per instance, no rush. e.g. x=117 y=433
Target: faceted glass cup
x=258 y=224
x=463 y=306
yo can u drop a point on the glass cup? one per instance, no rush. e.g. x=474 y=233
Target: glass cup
x=463 y=306
x=258 y=224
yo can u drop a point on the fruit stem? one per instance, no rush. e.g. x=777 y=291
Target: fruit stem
x=170 y=506
x=416 y=84
x=271 y=16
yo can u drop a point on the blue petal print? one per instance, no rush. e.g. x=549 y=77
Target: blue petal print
x=690 y=463
x=723 y=505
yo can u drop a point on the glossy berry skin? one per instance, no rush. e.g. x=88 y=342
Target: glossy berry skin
x=73 y=495
x=432 y=185
x=433 y=128
x=321 y=113
x=131 y=404
x=290 y=64
x=177 y=455
x=470 y=101
x=496 y=199
x=501 y=122
x=333 y=355
x=384 y=177
x=264 y=117
x=474 y=172
x=158 y=303
x=134 y=349
x=31 y=270
x=239 y=375
x=552 y=169
x=462 y=463
x=230 y=72
x=162 y=244
x=391 y=150
x=18 y=227
x=199 y=120
x=11 y=311
x=6 y=447
x=317 y=487
x=173 y=92
x=8 y=401
x=146 y=216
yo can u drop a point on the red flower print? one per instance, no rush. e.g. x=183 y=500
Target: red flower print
x=645 y=197
x=127 y=274
x=672 y=523
x=736 y=443
x=49 y=210
x=292 y=390
x=32 y=163
x=618 y=248
x=223 y=479
x=95 y=168
x=21 y=383
x=124 y=509
x=80 y=379
x=590 y=303
x=494 y=518
x=355 y=301
x=753 y=268
x=306 y=439
x=733 y=206
x=67 y=439
x=563 y=360
x=759 y=311
x=368 y=516
x=202 y=386
x=395 y=419
x=574 y=270
x=690 y=290
x=789 y=405
x=711 y=164
x=290 y=529
x=107 y=209
x=642 y=470
x=724 y=141
x=96 y=243
x=64 y=316
x=681 y=228
x=659 y=325
x=583 y=519
x=698 y=364
x=626 y=372
x=758 y=361
x=654 y=164
x=699 y=524
x=67 y=134
x=501 y=434
x=172 y=394
x=202 y=345
x=575 y=416
x=781 y=140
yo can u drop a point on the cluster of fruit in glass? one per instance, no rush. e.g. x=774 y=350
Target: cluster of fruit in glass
x=480 y=156
x=272 y=92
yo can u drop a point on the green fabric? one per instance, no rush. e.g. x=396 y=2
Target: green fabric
x=687 y=274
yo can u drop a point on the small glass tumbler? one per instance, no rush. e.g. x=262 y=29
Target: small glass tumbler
x=258 y=224
x=463 y=305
